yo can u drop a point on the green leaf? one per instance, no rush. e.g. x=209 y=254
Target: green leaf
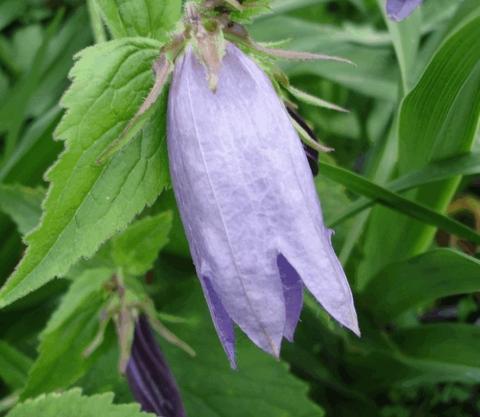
x=3 y=85
x=362 y=186
x=25 y=42
x=447 y=350
x=312 y=100
x=96 y=22
x=14 y=366
x=282 y=6
x=86 y=203
x=148 y=18
x=22 y=204
x=427 y=354
x=35 y=151
x=438 y=120
x=73 y=36
x=434 y=12
x=23 y=91
x=72 y=403
x=406 y=38
x=210 y=388
x=9 y=11
x=374 y=74
x=136 y=248
x=85 y=285
x=69 y=332
x=453 y=116
x=436 y=171
x=178 y=244
x=252 y=10
x=420 y=281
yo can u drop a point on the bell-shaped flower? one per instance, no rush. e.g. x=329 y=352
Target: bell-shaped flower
x=248 y=204
x=400 y=9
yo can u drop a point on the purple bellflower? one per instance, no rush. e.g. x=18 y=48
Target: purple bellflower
x=400 y=9
x=149 y=376
x=249 y=205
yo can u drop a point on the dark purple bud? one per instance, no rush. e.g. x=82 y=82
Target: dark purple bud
x=312 y=154
x=149 y=376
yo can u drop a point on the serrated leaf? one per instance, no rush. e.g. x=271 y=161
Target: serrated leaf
x=133 y=250
x=14 y=366
x=86 y=203
x=72 y=403
x=22 y=204
x=85 y=285
x=69 y=331
x=136 y=249
x=261 y=383
x=148 y=18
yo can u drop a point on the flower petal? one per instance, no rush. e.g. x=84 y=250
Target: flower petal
x=323 y=275
x=293 y=293
x=222 y=321
x=222 y=193
x=306 y=243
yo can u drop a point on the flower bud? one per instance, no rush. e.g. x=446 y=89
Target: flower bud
x=149 y=376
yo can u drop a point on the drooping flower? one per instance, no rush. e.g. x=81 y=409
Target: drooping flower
x=248 y=204
x=149 y=376
x=400 y=9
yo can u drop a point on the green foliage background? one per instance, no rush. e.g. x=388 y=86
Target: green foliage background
x=401 y=190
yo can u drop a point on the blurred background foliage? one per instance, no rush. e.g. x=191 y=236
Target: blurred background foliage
x=409 y=153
